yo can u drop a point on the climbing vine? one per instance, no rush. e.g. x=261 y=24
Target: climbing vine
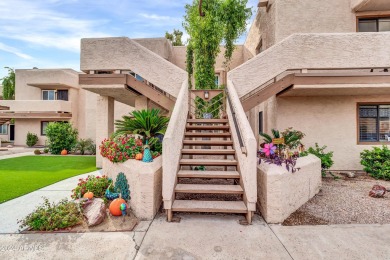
x=9 y=85
x=223 y=22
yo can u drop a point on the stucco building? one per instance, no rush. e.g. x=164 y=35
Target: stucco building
x=318 y=66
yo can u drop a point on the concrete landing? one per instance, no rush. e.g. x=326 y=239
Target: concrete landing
x=210 y=237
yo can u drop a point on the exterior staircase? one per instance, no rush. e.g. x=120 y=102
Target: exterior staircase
x=208 y=142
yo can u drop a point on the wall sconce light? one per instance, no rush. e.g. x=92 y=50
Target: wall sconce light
x=206 y=95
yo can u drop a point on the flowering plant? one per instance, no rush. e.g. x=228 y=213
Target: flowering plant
x=95 y=184
x=269 y=149
x=121 y=148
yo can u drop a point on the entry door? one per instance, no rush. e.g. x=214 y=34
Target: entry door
x=12 y=132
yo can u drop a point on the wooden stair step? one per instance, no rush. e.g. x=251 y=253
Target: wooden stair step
x=209 y=151
x=209 y=206
x=207 y=121
x=209 y=189
x=207 y=127
x=208 y=142
x=208 y=162
x=205 y=134
x=208 y=174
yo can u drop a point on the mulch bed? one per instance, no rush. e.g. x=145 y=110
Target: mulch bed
x=344 y=201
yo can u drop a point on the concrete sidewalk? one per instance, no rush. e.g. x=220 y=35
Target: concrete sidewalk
x=18 y=208
x=206 y=237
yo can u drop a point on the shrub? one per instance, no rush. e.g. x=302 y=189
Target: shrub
x=376 y=162
x=61 y=135
x=32 y=139
x=53 y=216
x=147 y=123
x=37 y=152
x=292 y=138
x=46 y=150
x=97 y=185
x=121 y=148
x=84 y=145
x=326 y=158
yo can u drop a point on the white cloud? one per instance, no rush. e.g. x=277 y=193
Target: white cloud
x=15 y=51
x=35 y=23
x=160 y=17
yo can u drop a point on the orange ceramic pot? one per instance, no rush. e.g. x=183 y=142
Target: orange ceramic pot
x=115 y=207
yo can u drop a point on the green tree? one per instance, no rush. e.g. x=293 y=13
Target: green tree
x=61 y=135
x=223 y=22
x=9 y=85
x=175 y=37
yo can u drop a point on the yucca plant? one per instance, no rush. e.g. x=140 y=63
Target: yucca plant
x=147 y=123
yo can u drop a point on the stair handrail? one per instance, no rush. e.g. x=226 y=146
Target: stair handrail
x=234 y=117
x=172 y=144
x=247 y=162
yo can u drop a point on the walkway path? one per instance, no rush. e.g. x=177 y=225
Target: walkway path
x=20 y=207
x=16 y=152
x=194 y=237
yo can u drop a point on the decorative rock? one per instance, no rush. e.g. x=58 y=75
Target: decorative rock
x=377 y=191
x=94 y=211
x=9 y=146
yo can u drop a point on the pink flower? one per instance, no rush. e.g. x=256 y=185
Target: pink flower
x=269 y=149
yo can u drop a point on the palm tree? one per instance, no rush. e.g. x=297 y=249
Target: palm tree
x=147 y=123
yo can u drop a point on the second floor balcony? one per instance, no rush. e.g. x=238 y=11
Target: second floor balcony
x=36 y=109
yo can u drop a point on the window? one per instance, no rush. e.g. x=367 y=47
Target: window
x=261 y=122
x=3 y=129
x=217 y=80
x=374 y=25
x=55 y=95
x=43 y=127
x=374 y=123
x=48 y=95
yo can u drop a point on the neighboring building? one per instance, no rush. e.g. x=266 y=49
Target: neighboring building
x=307 y=64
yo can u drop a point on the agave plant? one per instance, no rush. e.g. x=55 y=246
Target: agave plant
x=147 y=123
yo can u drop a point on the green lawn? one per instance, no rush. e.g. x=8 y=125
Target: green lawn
x=22 y=175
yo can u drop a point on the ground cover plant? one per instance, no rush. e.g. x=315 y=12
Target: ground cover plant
x=19 y=176
x=95 y=184
x=376 y=162
x=325 y=157
x=53 y=216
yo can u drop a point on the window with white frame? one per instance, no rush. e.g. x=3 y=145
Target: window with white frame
x=48 y=95
x=3 y=129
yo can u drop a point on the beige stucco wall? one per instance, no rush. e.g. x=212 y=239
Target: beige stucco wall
x=313 y=16
x=263 y=27
x=160 y=46
x=321 y=50
x=145 y=181
x=281 y=192
x=121 y=53
x=327 y=120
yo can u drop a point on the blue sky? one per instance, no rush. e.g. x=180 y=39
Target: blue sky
x=47 y=33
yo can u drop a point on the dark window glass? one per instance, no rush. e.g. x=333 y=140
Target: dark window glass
x=374 y=25
x=261 y=127
x=374 y=123
x=62 y=95
x=43 y=127
x=368 y=26
x=384 y=25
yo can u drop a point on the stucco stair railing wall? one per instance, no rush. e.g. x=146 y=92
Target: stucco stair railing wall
x=312 y=51
x=122 y=53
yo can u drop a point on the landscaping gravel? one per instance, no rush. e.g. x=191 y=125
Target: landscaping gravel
x=344 y=201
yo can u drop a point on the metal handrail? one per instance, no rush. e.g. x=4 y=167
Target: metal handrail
x=238 y=130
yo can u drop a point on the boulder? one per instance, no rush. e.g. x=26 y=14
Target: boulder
x=94 y=211
x=377 y=191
